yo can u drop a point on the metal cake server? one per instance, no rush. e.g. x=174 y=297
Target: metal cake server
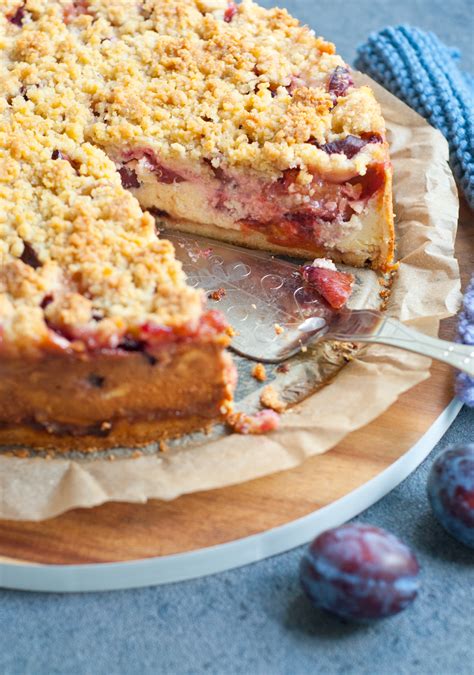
x=275 y=317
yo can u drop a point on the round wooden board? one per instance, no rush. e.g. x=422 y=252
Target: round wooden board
x=362 y=465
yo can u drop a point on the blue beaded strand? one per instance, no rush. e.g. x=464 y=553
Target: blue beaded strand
x=422 y=71
x=419 y=69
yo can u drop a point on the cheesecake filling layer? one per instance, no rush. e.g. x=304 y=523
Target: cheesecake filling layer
x=328 y=213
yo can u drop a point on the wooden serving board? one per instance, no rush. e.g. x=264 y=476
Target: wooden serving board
x=117 y=532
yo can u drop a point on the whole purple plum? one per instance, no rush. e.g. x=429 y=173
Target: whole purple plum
x=451 y=492
x=359 y=572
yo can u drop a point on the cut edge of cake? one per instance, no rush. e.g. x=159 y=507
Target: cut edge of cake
x=371 y=244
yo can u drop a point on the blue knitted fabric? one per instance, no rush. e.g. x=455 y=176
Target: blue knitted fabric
x=419 y=69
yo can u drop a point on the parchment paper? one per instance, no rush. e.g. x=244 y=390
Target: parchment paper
x=425 y=290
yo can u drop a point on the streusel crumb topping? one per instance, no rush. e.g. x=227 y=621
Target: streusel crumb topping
x=85 y=80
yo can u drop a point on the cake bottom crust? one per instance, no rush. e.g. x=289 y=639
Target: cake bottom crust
x=369 y=257
x=113 y=399
x=126 y=434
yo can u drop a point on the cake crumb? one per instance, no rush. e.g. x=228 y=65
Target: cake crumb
x=324 y=264
x=137 y=454
x=217 y=294
x=259 y=372
x=164 y=447
x=278 y=329
x=111 y=457
x=283 y=368
x=270 y=398
x=259 y=423
x=230 y=331
x=22 y=454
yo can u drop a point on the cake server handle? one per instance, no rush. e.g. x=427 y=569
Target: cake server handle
x=389 y=331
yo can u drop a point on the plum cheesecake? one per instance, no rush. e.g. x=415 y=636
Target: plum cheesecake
x=221 y=119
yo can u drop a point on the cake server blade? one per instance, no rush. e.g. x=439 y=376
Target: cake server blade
x=274 y=316
x=263 y=297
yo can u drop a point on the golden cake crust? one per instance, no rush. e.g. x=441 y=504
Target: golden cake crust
x=176 y=75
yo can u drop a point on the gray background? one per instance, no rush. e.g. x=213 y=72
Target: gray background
x=255 y=619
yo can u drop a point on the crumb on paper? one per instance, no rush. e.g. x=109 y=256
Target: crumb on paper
x=22 y=454
x=136 y=454
x=283 y=368
x=259 y=423
x=392 y=269
x=278 y=329
x=270 y=398
x=217 y=294
x=111 y=457
x=253 y=305
x=385 y=283
x=259 y=372
x=226 y=408
x=164 y=447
